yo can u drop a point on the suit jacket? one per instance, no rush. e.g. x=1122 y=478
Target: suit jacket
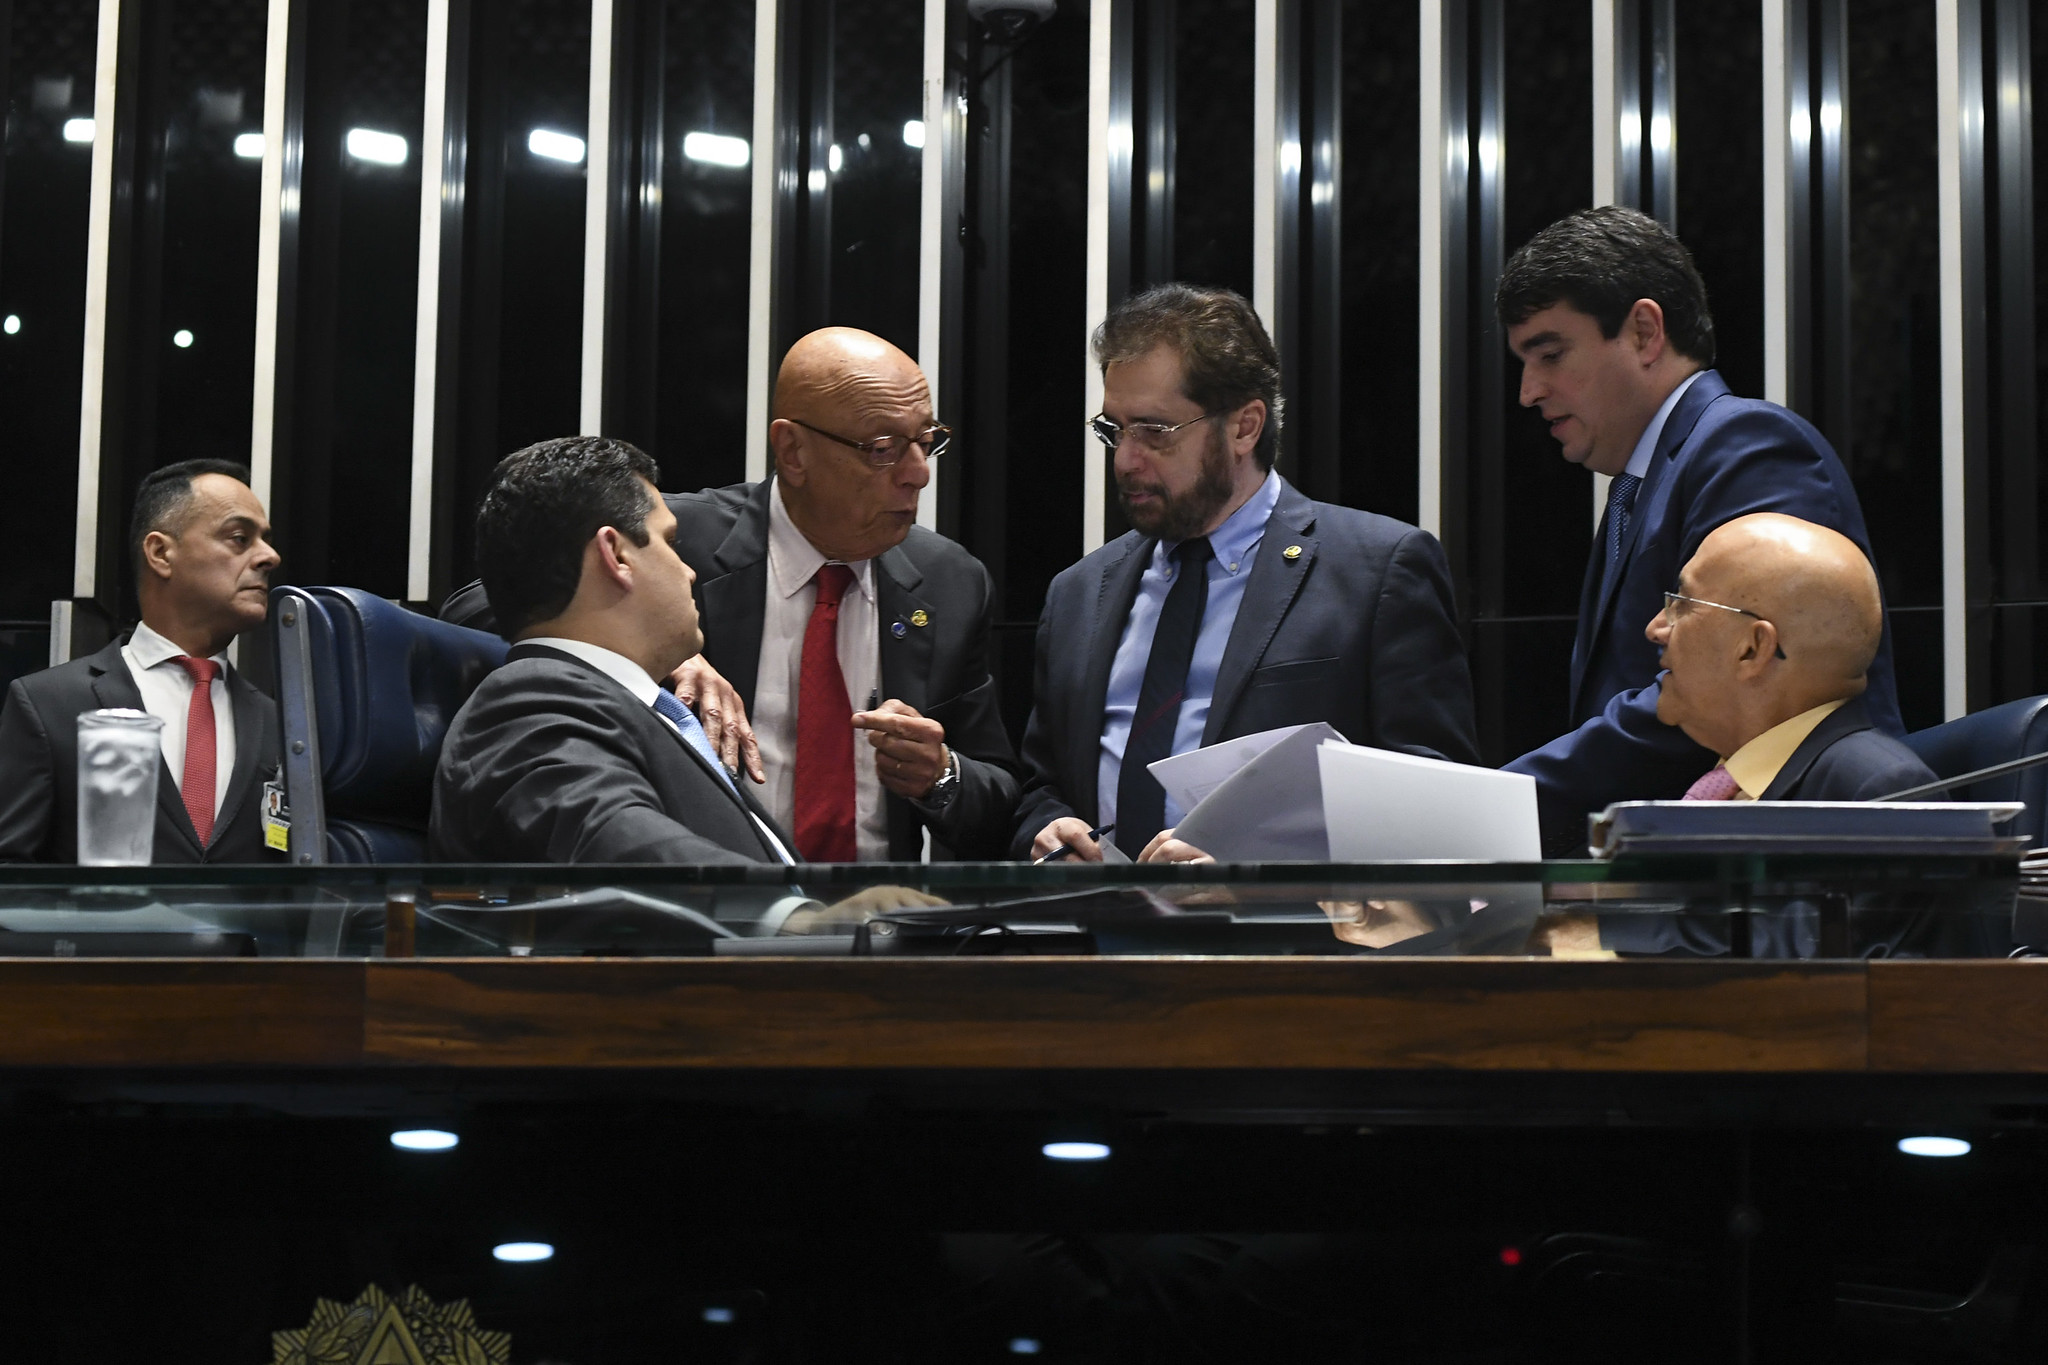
x=941 y=667
x=1357 y=630
x=550 y=761
x=1718 y=458
x=1847 y=758
x=39 y=767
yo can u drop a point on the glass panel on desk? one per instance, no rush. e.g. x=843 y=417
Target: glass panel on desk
x=1729 y=906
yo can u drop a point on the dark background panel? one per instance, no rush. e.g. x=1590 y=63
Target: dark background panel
x=45 y=192
x=1376 y=412
x=1212 y=163
x=1719 y=155
x=877 y=87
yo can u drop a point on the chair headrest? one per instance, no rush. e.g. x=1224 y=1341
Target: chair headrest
x=386 y=684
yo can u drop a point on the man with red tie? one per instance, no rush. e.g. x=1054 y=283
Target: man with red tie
x=203 y=557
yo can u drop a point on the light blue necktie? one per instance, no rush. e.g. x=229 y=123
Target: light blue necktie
x=679 y=715
x=1621 y=498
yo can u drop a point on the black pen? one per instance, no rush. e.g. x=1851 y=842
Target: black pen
x=1094 y=835
x=874 y=698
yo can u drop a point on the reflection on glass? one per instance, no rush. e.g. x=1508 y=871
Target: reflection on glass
x=1721 y=175
x=1212 y=148
x=47 y=179
x=875 y=175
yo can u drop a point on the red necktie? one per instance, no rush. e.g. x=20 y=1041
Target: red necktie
x=200 y=747
x=824 y=732
x=1717 y=785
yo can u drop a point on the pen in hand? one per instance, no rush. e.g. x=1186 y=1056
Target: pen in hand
x=1067 y=850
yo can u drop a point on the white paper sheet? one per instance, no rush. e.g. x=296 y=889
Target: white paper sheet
x=1380 y=806
x=1257 y=798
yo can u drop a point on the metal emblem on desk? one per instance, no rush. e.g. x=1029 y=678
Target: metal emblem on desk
x=377 y=1328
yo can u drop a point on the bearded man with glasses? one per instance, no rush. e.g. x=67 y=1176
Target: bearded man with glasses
x=1234 y=605
x=854 y=639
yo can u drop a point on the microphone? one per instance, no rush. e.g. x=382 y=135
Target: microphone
x=1982 y=774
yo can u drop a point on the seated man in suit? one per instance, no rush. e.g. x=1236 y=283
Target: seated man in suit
x=203 y=558
x=1236 y=605
x=1766 y=645
x=831 y=611
x=1609 y=318
x=571 y=752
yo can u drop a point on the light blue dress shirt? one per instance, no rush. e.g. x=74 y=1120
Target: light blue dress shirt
x=1646 y=444
x=1236 y=543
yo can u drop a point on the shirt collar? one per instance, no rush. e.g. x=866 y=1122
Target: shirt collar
x=1241 y=530
x=613 y=665
x=148 y=648
x=1646 y=445
x=793 y=561
x=1757 y=764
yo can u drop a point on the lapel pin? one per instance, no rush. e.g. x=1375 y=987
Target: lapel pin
x=898 y=629
x=918 y=618
x=1291 y=552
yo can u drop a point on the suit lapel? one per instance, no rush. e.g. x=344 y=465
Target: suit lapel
x=1275 y=581
x=246 y=703
x=730 y=600
x=1114 y=596
x=1677 y=428
x=113 y=686
x=906 y=657
x=1845 y=719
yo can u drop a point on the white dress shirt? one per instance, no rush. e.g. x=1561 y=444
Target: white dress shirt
x=167 y=694
x=793 y=563
x=643 y=689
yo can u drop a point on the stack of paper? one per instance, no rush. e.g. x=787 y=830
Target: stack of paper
x=1254 y=799
x=1380 y=806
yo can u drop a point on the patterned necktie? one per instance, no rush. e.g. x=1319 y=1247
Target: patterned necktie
x=675 y=713
x=824 y=732
x=202 y=747
x=1621 y=501
x=1716 y=785
x=1140 y=800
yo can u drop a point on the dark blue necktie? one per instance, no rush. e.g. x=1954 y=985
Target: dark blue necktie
x=1140 y=800
x=1621 y=500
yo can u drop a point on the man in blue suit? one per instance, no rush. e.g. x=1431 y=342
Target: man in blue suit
x=1236 y=605
x=1610 y=320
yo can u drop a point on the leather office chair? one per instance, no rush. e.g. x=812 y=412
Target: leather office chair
x=1998 y=735
x=366 y=691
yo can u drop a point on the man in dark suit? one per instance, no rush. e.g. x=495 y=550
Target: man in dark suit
x=203 y=558
x=1235 y=605
x=571 y=752
x=1767 y=643
x=898 y=650
x=1611 y=323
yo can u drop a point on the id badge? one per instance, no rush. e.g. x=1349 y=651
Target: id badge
x=277 y=816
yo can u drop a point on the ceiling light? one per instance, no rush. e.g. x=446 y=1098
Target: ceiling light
x=913 y=133
x=1023 y=1346
x=816 y=180
x=12 y=324
x=715 y=149
x=834 y=159
x=250 y=146
x=1075 y=1151
x=423 y=1140
x=182 y=338
x=555 y=146
x=385 y=149
x=1934 y=1146
x=718 y=1313
x=522 y=1251
x=78 y=130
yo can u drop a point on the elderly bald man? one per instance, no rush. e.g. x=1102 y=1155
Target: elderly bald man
x=854 y=639
x=1767 y=644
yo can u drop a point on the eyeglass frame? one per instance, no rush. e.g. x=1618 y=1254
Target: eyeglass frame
x=1671 y=597
x=1159 y=429
x=867 y=448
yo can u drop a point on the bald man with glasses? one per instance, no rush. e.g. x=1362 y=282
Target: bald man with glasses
x=847 y=646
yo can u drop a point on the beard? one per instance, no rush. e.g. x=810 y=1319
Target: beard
x=1180 y=516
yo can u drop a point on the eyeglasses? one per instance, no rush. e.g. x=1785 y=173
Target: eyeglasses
x=884 y=451
x=1153 y=436
x=1672 y=599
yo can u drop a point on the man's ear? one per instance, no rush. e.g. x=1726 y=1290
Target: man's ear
x=1759 y=648
x=1250 y=421
x=788 y=452
x=1645 y=326
x=607 y=555
x=159 y=553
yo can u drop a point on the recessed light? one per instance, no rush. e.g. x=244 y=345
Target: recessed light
x=1934 y=1146
x=522 y=1251
x=1076 y=1151
x=718 y=1313
x=423 y=1140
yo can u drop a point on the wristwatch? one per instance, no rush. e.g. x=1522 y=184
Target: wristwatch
x=942 y=791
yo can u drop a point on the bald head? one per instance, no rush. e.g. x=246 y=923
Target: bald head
x=837 y=387
x=1808 y=624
